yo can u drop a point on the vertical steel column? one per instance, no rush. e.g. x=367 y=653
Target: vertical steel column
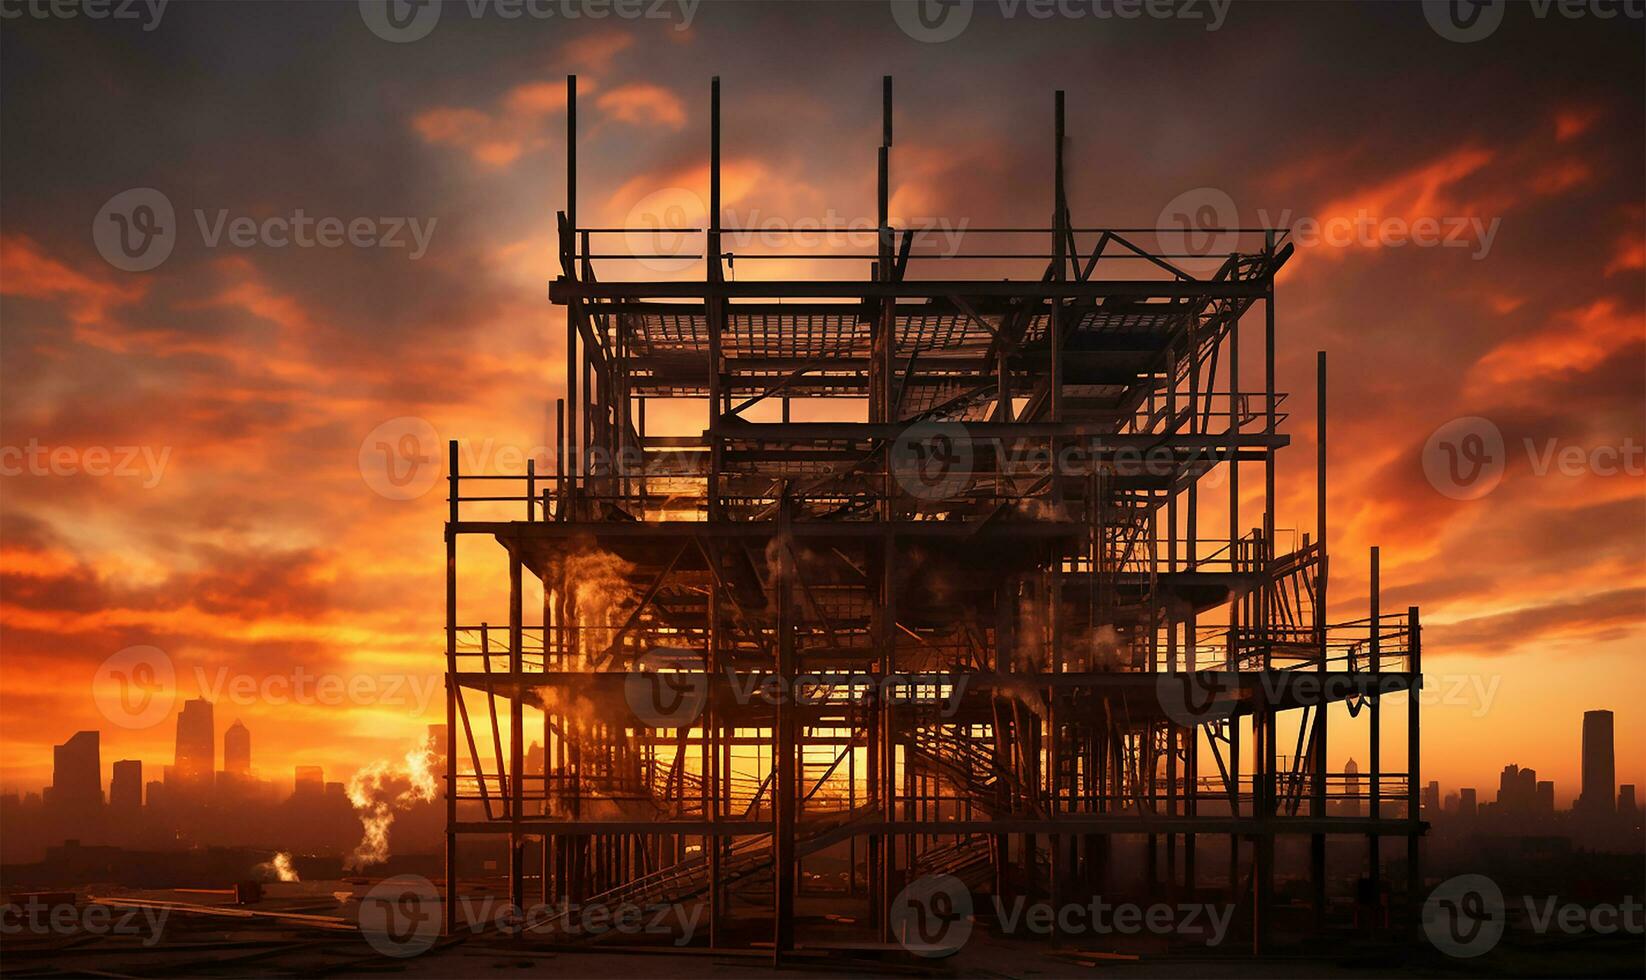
x=711 y=762
x=517 y=738
x=453 y=691
x=1414 y=869
x=574 y=309
x=784 y=786
x=712 y=273
x=1374 y=839
x=1317 y=841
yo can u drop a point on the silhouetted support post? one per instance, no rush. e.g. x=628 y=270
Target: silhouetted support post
x=1374 y=871
x=713 y=305
x=712 y=795
x=784 y=787
x=453 y=692
x=1317 y=841
x=569 y=268
x=517 y=740
x=1414 y=870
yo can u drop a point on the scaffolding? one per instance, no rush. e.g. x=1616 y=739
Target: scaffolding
x=957 y=578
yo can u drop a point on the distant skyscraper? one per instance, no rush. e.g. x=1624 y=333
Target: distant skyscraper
x=1599 y=766
x=1431 y=799
x=77 y=774
x=126 y=788
x=237 y=749
x=309 y=781
x=1467 y=804
x=1545 y=796
x=1351 y=786
x=196 y=748
x=1626 y=799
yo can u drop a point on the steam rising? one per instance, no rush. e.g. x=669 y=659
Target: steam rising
x=383 y=789
x=278 y=868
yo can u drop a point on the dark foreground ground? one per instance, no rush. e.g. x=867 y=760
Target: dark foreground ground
x=313 y=929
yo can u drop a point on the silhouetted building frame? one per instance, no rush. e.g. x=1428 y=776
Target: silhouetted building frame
x=1070 y=606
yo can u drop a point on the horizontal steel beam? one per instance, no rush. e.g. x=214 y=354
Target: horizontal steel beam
x=565 y=290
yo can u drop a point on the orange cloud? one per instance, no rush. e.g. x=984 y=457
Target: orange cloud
x=27 y=271
x=641 y=103
x=1422 y=192
x=489 y=140
x=1576 y=341
x=1574 y=122
x=1631 y=254
x=596 y=51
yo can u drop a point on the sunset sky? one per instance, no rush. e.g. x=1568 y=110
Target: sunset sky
x=254 y=373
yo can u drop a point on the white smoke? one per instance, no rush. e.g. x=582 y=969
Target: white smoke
x=381 y=790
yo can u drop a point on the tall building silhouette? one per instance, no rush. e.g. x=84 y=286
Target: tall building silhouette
x=77 y=775
x=196 y=751
x=237 y=749
x=309 y=781
x=126 y=788
x=1599 y=765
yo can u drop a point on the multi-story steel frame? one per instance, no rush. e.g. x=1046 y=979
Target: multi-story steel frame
x=973 y=625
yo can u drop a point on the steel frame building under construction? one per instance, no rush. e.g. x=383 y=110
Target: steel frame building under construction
x=957 y=577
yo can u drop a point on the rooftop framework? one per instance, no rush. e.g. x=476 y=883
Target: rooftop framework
x=963 y=523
